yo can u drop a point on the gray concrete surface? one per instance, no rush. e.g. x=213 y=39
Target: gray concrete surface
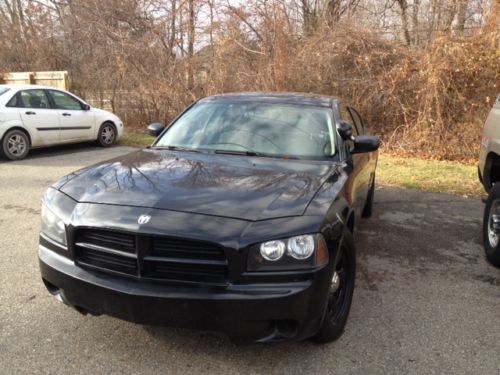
x=425 y=302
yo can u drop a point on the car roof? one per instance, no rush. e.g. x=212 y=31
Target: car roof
x=276 y=97
x=16 y=86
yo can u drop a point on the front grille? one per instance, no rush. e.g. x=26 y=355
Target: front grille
x=103 y=260
x=115 y=240
x=186 y=249
x=185 y=271
x=150 y=257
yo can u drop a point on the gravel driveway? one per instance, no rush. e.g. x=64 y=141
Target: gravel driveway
x=426 y=301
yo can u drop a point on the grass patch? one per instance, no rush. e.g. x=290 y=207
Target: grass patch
x=136 y=140
x=429 y=175
x=412 y=173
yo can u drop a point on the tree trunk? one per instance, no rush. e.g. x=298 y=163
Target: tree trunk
x=462 y=15
x=403 y=4
x=309 y=18
x=173 y=31
x=191 y=35
x=416 y=24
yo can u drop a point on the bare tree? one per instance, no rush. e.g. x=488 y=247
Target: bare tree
x=431 y=65
x=329 y=12
x=403 y=5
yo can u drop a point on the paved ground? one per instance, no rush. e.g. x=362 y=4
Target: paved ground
x=425 y=302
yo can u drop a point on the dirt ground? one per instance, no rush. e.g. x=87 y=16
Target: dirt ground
x=425 y=302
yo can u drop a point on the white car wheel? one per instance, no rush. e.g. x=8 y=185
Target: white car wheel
x=107 y=135
x=15 y=145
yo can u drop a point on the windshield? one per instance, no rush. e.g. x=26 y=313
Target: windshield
x=254 y=128
x=3 y=90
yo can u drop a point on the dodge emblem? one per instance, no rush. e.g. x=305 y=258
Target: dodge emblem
x=144 y=219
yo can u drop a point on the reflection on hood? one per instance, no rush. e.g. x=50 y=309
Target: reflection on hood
x=221 y=185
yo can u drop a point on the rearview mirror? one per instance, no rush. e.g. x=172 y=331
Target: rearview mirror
x=345 y=130
x=365 y=143
x=85 y=107
x=155 y=129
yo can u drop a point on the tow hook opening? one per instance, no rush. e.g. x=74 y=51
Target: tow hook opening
x=57 y=292
x=286 y=328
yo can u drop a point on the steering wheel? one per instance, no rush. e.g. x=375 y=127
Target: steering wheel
x=260 y=135
x=229 y=143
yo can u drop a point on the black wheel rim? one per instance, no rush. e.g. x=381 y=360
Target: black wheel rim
x=338 y=297
x=494 y=223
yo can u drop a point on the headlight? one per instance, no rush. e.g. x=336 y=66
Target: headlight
x=52 y=226
x=272 y=250
x=301 y=247
x=294 y=253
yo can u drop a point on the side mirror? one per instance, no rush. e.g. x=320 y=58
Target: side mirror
x=365 y=143
x=345 y=130
x=85 y=107
x=155 y=129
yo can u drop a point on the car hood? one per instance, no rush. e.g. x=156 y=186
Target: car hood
x=101 y=111
x=104 y=113
x=240 y=187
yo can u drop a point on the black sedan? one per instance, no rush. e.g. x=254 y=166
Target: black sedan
x=239 y=218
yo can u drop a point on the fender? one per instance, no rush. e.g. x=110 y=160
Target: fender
x=99 y=121
x=332 y=203
x=491 y=170
x=17 y=124
x=101 y=116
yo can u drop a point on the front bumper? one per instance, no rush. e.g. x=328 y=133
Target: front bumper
x=120 y=130
x=257 y=312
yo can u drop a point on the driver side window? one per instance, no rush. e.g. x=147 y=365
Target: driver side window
x=346 y=115
x=64 y=101
x=358 y=122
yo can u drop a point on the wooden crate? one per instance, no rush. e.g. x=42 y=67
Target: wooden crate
x=52 y=79
x=24 y=78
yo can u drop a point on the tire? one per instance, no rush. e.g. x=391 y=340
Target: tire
x=15 y=145
x=368 y=209
x=107 y=135
x=339 y=300
x=491 y=230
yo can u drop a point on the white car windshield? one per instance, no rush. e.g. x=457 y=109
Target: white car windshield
x=269 y=129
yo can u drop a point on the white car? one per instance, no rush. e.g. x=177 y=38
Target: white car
x=38 y=116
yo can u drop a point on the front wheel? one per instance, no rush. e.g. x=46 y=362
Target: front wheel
x=107 y=135
x=340 y=292
x=15 y=145
x=491 y=226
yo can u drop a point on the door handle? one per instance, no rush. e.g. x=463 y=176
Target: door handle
x=66 y=114
x=30 y=113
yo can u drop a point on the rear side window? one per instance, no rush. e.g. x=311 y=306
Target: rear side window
x=30 y=99
x=13 y=102
x=3 y=90
x=64 y=101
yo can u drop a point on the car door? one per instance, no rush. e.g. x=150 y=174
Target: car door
x=364 y=160
x=76 y=124
x=354 y=187
x=37 y=115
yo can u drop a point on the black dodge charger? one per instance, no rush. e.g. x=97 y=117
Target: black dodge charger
x=238 y=218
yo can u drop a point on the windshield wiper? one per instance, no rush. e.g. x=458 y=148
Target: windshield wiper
x=175 y=148
x=235 y=152
x=253 y=153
